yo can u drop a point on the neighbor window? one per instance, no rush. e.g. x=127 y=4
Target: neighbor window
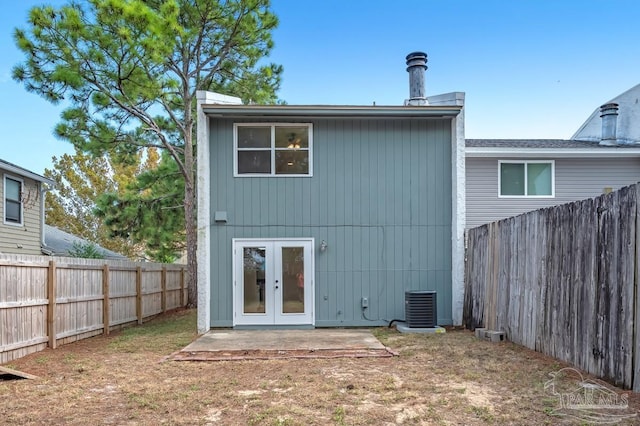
x=280 y=149
x=12 y=200
x=526 y=178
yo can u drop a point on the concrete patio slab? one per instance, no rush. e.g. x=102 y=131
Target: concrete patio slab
x=266 y=344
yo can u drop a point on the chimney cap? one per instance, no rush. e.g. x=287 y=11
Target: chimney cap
x=416 y=59
x=416 y=55
x=609 y=109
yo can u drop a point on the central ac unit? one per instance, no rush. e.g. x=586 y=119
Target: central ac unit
x=420 y=309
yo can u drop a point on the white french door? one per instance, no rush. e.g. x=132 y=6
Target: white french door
x=273 y=281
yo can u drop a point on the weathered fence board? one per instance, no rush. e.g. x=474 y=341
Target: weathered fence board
x=53 y=301
x=562 y=281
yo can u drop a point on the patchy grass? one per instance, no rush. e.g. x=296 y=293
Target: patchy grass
x=443 y=379
x=163 y=334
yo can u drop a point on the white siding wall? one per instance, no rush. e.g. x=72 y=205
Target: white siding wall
x=576 y=179
x=23 y=239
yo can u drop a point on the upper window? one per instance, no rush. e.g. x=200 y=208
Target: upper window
x=526 y=179
x=12 y=200
x=273 y=149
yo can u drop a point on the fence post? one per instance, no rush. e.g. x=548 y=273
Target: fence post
x=139 y=294
x=106 y=314
x=491 y=285
x=182 y=287
x=51 y=311
x=636 y=316
x=163 y=283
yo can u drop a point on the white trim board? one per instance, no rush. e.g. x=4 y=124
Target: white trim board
x=474 y=152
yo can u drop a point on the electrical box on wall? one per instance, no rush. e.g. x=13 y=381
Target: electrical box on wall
x=365 y=302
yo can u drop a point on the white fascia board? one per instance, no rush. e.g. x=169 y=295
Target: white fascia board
x=330 y=111
x=204 y=98
x=25 y=173
x=552 y=153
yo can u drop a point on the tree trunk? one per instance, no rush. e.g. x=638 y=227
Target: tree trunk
x=192 y=242
x=190 y=210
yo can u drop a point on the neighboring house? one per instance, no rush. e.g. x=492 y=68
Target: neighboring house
x=60 y=243
x=323 y=216
x=23 y=230
x=627 y=120
x=509 y=177
x=22 y=209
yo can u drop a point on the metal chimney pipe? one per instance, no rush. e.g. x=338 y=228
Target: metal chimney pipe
x=609 y=115
x=416 y=66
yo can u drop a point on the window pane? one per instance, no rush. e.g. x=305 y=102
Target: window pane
x=254 y=162
x=293 y=280
x=254 y=137
x=13 y=189
x=292 y=162
x=292 y=137
x=511 y=179
x=13 y=212
x=254 y=280
x=538 y=179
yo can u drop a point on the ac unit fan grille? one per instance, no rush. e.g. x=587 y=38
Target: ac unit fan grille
x=421 y=309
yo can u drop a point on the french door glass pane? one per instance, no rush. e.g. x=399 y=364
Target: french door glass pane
x=538 y=179
x=254 y=279
x=511 y=179
x=293 y=280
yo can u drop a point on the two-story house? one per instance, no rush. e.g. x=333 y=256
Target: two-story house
x=322 y=216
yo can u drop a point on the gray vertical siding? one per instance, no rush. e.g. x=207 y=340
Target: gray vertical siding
x=380 y=197
x=575 y=179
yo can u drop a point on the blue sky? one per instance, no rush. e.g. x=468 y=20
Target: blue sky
x=530 y=68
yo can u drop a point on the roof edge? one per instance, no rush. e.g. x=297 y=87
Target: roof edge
x=552 y=152
x=330 y=111
x=25 y=173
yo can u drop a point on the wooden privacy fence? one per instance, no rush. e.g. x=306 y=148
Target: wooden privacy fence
x=563 y=281
x=50 y=301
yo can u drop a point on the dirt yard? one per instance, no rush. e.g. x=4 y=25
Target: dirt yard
x=448 y=379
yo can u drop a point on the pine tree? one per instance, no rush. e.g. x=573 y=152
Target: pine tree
x=81 y=180
x=149 y=210
x=129 y=70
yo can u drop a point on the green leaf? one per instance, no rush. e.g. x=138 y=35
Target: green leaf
x=128 y=71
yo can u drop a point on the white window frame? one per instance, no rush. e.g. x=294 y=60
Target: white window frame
x=4 y=201
x=272 y=149
x=526 y=162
